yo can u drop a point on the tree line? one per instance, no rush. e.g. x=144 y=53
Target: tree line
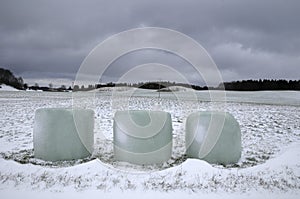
x=8 y=78
x=156 y=85
x=244 y=85
x=259 y=85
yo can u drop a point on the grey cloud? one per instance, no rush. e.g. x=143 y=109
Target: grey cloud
x=136 y=58
x=247 y=39
x=251 y=63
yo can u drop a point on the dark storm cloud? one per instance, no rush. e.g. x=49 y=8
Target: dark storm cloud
x=247 y=39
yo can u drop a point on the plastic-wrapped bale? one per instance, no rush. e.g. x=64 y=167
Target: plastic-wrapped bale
x=142 y=137
x=214 y=137
x=63 y=134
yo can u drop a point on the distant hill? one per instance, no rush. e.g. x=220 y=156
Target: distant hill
x=8 y=78
x=166 y=86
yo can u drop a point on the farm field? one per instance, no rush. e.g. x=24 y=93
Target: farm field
x=270 y=163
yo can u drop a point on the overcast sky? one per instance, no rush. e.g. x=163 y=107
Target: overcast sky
x=46 y=41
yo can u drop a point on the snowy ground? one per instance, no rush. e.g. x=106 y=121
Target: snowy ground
x=4 y=87
x=270 y=163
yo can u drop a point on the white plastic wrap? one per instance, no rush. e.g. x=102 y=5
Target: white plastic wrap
x=63 y=134
x=142 y=137
x=214 y=137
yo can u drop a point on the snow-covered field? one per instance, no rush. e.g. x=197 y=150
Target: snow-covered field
x=269 y=167
x=4 y=87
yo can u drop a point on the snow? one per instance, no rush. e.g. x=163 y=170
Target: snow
x=269 y=167
x=4 y=87
x=177 y=89
x=114 y=89
x=138 y=195
x=213 y=136
x=63 y=134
